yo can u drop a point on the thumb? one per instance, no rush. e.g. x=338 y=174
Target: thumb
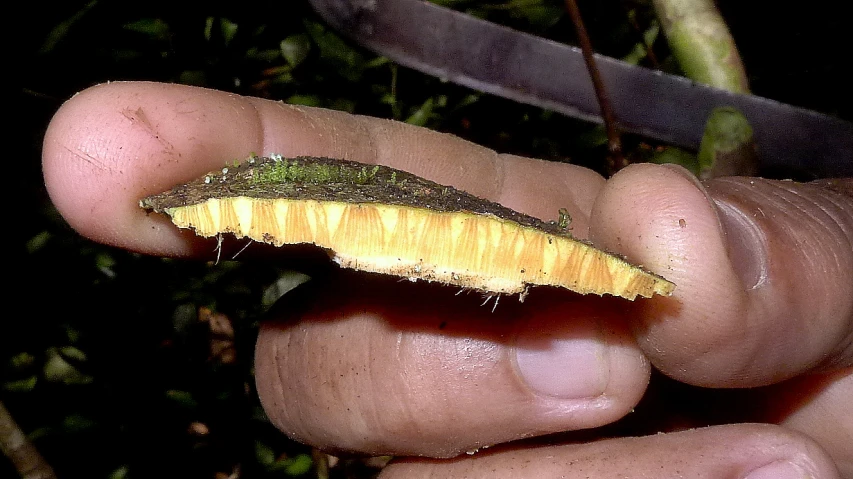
x=764 y=272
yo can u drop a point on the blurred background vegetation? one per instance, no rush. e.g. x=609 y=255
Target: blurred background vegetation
x=118 y=365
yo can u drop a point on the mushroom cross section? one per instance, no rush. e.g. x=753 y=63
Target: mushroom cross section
x=382 y=220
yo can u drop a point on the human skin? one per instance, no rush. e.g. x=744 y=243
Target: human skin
x=764 y=297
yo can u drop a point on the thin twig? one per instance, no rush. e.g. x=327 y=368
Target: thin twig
x=29 y=463
x=614 y=142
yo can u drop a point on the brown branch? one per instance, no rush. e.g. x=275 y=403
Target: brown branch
x=29 y=463
x=614 y=142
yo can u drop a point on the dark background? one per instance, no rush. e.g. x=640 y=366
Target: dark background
x=103 y=359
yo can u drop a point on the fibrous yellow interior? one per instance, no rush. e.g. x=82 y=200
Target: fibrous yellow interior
x=475 y=251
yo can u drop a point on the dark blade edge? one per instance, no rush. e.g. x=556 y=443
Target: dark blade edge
x=536 y=71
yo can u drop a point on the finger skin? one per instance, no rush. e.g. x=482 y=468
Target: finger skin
x=368 y=368
x=817 y=405
x=113 y=144
x=764 y=273
x=722 y=451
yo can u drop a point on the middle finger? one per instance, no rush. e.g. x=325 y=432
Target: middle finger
x=384 y=367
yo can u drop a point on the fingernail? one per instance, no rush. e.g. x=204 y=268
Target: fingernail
x=564 y=359
x=745 y=242
x=777 y=470
x=745 y=245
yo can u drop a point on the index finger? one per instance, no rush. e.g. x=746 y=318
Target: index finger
x=113 y=144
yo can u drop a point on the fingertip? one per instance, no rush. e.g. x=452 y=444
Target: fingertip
x=741 y=450
x=661 y=217
x=113 y=144
x=763 y=272
x=651 y=214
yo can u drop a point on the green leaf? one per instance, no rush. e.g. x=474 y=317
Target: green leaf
x=297 y=466
x=343 y=58
x=295 y=49
x=592 y=137
x=258 y=414
x=727 y=131
x=119 y=473
x=264 y=454
x=229 y=30
x=378 y=62
x=155 y=28
x=60 y=31
x=38 y=241
x=468 y=100
x=539 y=15
x=72 y=334
x=40 y=432
x=21 y=385
x=77 y=423
x=193 y=77
x=182 y=398
x=105 y=263
x=422 y=114
x=306 y=100
x=727 y=128
x=57 y=369
x=640 y=50
x=293 y=466
x=208 y=28
x=342 y=104
x=676 y=156
x=73 y=353
x=265 y=55
x=22 y=361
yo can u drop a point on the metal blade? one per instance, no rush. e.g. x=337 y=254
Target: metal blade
x=536 y=71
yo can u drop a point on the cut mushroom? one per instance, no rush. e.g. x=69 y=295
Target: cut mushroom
x=382 y=220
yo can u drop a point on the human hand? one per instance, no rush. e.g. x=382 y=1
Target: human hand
x=384 y=367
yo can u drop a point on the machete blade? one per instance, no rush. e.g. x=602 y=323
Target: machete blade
x=536 y=71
